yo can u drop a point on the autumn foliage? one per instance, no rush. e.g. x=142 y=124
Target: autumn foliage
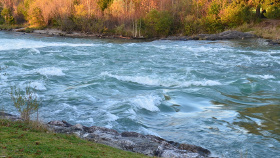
x=137 y=18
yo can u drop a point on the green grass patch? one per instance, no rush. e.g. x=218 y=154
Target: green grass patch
x=19 y=139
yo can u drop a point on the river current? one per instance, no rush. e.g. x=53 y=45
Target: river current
x=221 y=95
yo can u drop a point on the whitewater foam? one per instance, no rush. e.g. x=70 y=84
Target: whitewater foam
x=200 y=83
x=148 y=132
x=267 y=76
x=66 y=106
x=9 y=44
x=148 y=102
x=38 y=85
x=111 y=117
x=166 y=82
x=262 y=76
x=50 y=71
x=138 y=79
x=34 y=51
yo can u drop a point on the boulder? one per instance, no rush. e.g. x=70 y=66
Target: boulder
x=131 y=141
x=227 y=35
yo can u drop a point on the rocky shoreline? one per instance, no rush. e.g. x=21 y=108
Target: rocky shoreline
x=226 y=35
x=74 y=34
x=130 y=141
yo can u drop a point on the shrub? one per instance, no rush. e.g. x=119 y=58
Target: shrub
x=120 y=30
x=236 y=14
x=6 y=13
x=26 y=104
x=214 y=8
x=273 y=12
x=104 y=4
x=36 y=18
x=29 y=30
x=158 y=23
x=192 y=25
x=212 y=24
x=67 y=24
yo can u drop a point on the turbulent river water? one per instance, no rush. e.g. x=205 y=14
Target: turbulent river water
x=221 y=95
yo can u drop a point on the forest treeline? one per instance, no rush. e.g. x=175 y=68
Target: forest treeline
x=137 y=18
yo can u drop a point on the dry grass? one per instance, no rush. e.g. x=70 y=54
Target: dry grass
x=268 y=28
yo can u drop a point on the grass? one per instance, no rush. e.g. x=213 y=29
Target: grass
x=19 y=139
x=268 y=28
x=268 y=33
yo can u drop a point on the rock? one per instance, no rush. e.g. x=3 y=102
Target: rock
x=60 y=123
x=195 y=149
x=9 y=117
x=20 y=30
x=131 y=141
x=273 y=42
x=226 y=35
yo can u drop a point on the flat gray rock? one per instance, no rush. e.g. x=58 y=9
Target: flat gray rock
x=226 y=35
x=131 y=141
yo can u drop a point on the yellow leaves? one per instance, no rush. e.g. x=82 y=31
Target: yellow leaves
x=118 y=8
x=80 y=10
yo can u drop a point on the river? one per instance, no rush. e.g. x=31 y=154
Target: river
x=221 y=95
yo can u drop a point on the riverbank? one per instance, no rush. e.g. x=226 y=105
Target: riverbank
x=74 y=34
x=129 y=141
x=226 y=35
x=268 y=29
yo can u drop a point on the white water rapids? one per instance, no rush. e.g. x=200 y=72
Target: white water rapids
x=221 y=95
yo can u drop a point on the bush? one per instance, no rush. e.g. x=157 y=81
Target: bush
x=214 y=8
x=26 y=104
x=236 y=14
x=209 y=24
x=120 y=30
x=158 y=23
x=29 y=30
x=273 y=12
x=67 y=24
x=6 y=13
x=36 y=18
x=212 y=24
x=192 y=25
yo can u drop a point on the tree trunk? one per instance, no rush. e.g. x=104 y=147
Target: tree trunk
x=258 y=11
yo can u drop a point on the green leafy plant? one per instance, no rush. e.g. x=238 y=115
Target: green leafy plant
x=26 y=103
x=104 y=4
x=273 y=12
x=192 y=25
x=158 y=23
x=212 y=24
x=7 y=14
x=236 y=14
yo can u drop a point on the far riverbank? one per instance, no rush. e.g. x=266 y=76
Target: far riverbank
x=267 y=29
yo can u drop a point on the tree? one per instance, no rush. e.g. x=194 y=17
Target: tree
x=104 y=4
x=158 y=23
x=7 y=14
x=257 y=4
